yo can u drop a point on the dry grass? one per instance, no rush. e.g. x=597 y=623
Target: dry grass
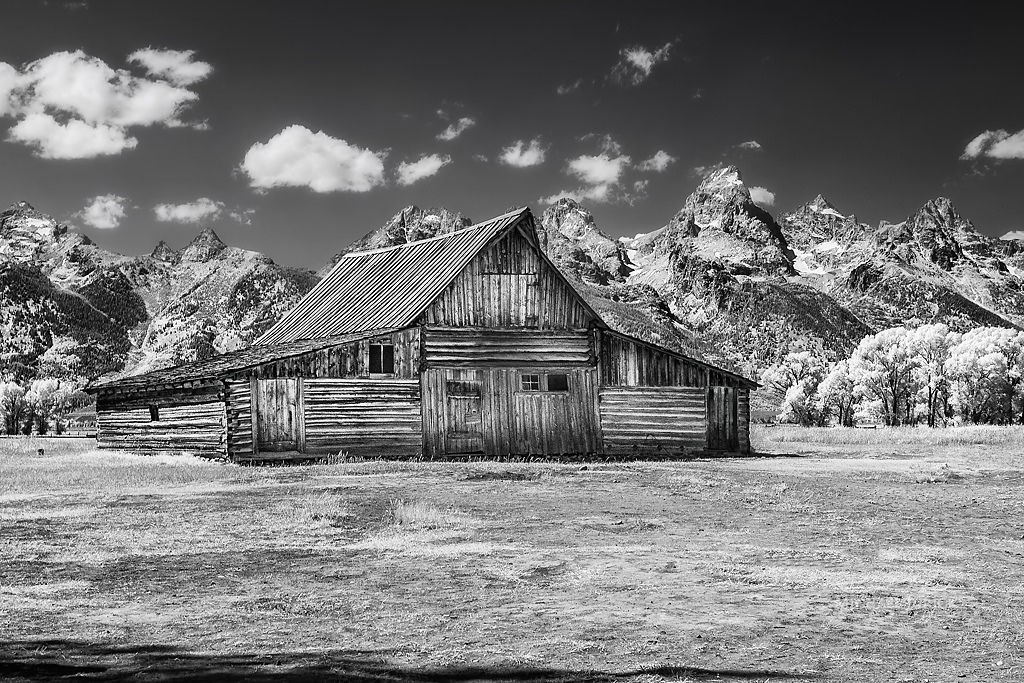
x=842 y=564
x=76 y=464
x=890 y=436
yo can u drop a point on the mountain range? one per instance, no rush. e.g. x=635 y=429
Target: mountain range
x=723 y=280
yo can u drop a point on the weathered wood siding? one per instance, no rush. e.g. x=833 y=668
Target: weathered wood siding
x=345 y=360
x=368 y=417
x=664 y=421
x=488 y=347
x=239 y=419
x=484 y=410
x=190 y=418
x=629 y=363
x=193 y=428
x=509 y=285
x=723 y=423
x=743 y=415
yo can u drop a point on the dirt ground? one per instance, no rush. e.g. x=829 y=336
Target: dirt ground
x=816 y=562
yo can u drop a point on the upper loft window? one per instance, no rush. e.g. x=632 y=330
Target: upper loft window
x=382 y=358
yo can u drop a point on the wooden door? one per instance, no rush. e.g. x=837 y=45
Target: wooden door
x=277 y=417
x=463 y=429
x=723 y=424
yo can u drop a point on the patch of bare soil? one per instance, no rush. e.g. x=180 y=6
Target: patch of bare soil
x=834 y=566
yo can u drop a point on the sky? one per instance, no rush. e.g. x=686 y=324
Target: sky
x=293 y=128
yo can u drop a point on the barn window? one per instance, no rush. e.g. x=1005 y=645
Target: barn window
x=529 y=382
x=154 y=413
x=557 y=382
x=382 y=359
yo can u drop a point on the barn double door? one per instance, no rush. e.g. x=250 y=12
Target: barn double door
x=277 y=414
x=723 y=421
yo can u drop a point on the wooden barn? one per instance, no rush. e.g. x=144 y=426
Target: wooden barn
x=470 y=343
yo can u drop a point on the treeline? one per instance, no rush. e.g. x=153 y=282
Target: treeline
x=906 y=376
x=41 y=407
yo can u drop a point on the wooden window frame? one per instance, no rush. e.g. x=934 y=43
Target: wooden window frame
x=542 y=382
x=381 y=344
x=528 y=377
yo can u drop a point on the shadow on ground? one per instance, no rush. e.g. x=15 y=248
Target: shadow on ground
x=49 y=660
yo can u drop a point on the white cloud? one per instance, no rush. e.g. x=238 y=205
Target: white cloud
x=1013 y=235
x=762 y=196
x=298 y=157
x=480 y=157
x=69 y=105
x=522 y=154
x=751 y=146
x=72 y=140
x=636 y=63
x=177 y=66
x=599 y=169
x=243 y=216
x=424 y=167
x=658 y=163
x=104 y=211
x=202 y=209
x=456 y=129
x=8 y=81
x=601 y=175
x=996 y=144
x=572 y=87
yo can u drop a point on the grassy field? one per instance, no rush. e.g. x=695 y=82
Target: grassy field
x=843 y=555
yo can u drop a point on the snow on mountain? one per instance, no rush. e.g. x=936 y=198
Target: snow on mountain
x=130 y=313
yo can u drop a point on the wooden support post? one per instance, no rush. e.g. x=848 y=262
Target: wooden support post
x=300 y=414
x=253 y=403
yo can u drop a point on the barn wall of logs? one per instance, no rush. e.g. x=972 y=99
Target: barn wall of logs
x=362 y=417
x=188 y=417
x=653 y=421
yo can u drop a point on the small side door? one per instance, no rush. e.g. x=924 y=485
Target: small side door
x=463 y=417
x=276 y=404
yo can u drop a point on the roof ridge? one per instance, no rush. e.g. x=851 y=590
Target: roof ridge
x=478 y=226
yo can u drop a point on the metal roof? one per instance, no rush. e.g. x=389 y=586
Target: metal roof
x=233 y=361
x=386 y=287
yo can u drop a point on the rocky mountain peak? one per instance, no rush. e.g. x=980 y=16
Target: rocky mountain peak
x=569 y=235
x=408 y=225
x=939 y=232
x=26 y=233
x=203 y=247
x=163 y=252
x=720 y=222
x=411 y=224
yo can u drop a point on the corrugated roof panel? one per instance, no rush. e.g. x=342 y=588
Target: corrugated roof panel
x=386 y=287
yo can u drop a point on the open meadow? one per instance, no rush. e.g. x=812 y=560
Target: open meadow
x=843 y=555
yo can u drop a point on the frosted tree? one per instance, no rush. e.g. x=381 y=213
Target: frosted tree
x=931 y=345
x=883 y=368
x=837 y=397
x=795 y=380
x=986 y=370
x=13 y=408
